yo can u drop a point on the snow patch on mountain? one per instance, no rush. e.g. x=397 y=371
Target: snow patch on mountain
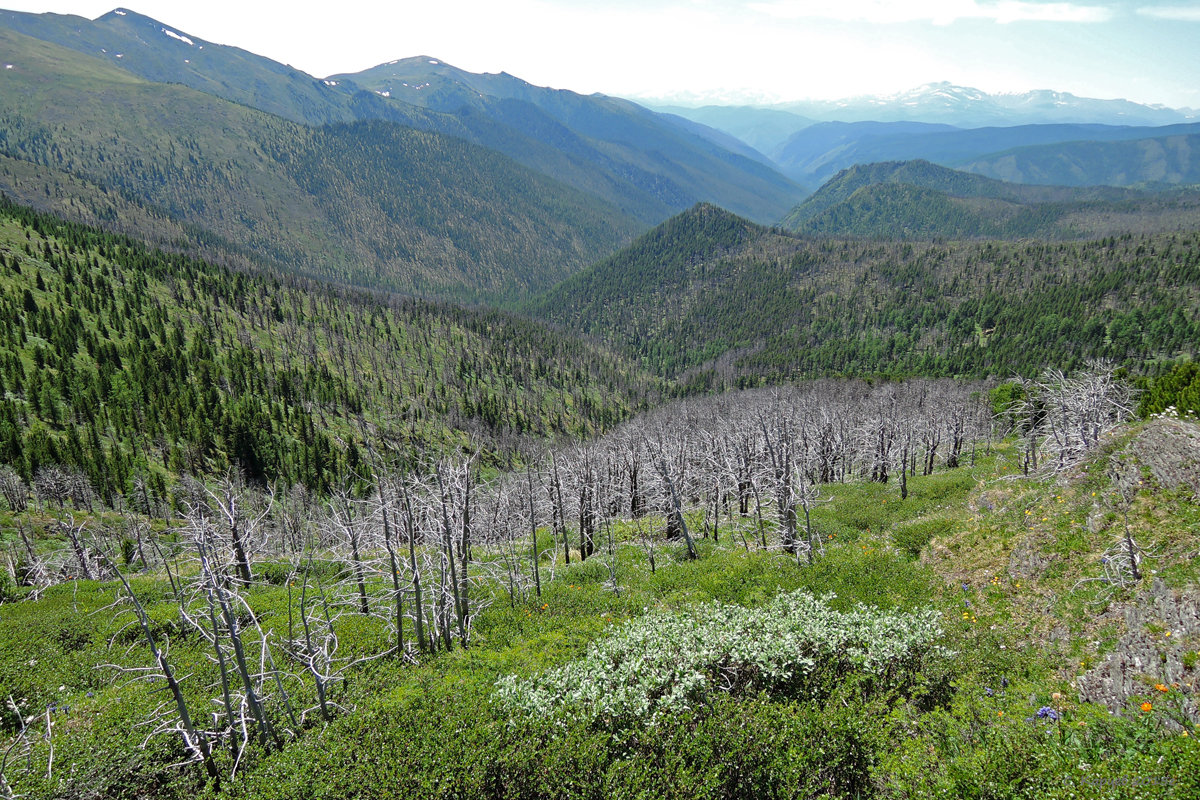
x=178 y=36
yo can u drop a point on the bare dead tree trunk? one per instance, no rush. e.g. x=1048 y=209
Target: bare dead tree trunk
x=537 y=576
x=228 y=506
x=411 y=525
x=557 y=515
x=393 y=566
x=676 y=507
x=78 y=546
x=193 y=740
x=448 y=544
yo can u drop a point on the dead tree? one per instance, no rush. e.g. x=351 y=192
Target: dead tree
x=79 y=546
x=534 y=555
x=675 y=519
x=390 y=543
x=448 y=546
x=15 y=492
x=346 y=528
x=194 y=741
x=230 y=502
x=779 y=444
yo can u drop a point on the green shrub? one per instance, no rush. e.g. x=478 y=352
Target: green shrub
x=8 y=587
x=796 y=646
x=914 y=536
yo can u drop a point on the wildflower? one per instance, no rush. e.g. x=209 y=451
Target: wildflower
x=1046 y=712
x=988 y=691
x=1168 y=633
x=966 y=588
x=999 y=713
x=1147 y=707
x=1160 y=687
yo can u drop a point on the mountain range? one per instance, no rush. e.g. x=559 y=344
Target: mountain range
x=968 y=129
x=650 y=165
x=820 y=151
x=967 y=107
x=767 y=127
x=486 y=188
x=921 y=200
x=419 y=177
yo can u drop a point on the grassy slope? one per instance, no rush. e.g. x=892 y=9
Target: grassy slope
x=431 y=730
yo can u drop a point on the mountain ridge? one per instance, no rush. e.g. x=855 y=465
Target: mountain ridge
x=818 y=152
x=965 y=106
x=919 y=199
x=655 y=168
x=368 y=202
x=715 y=302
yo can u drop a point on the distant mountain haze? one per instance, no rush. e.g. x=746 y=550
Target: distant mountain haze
x=818 y=152
x=964 y=128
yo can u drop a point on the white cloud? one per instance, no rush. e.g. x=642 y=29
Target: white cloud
x=1176 y=13
x=939 y=12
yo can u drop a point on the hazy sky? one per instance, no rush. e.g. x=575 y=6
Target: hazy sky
x=724 y=50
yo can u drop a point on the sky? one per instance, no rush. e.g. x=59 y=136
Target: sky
x=723 y=51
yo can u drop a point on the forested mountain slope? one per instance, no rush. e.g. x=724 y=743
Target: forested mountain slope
x=716 y=300
x=371 y=203
x=120 y=362
x=918 y=199
x=1166 y=160
x=674 y=161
